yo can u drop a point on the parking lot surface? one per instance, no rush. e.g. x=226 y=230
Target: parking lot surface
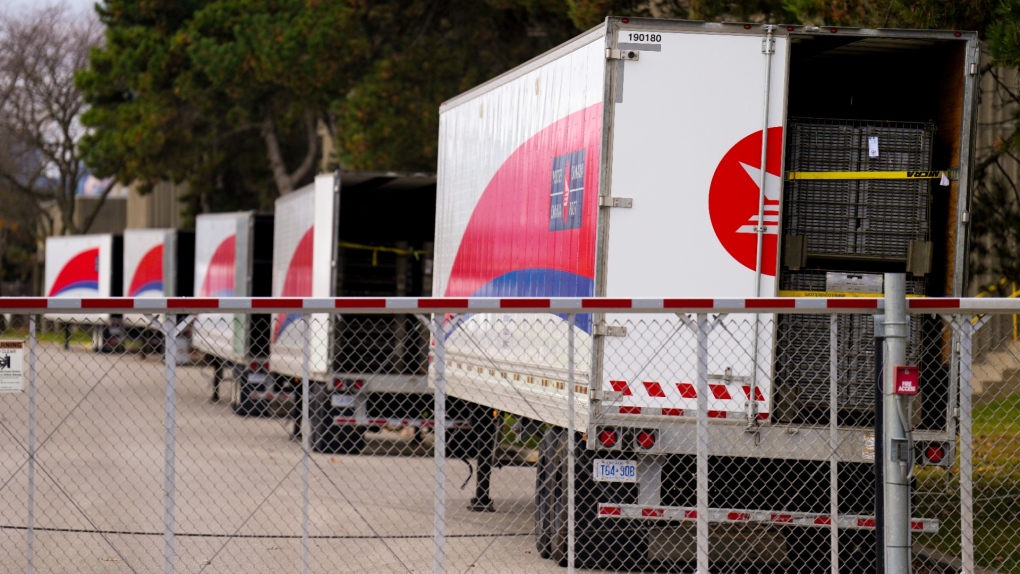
x=99 y=485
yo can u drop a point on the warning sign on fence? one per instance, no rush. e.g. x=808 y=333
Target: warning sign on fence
x=12 y=373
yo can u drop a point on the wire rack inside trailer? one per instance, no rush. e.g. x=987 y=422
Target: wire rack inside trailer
x=858 y=218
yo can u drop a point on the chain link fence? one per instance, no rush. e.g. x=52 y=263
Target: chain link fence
x=413 y=436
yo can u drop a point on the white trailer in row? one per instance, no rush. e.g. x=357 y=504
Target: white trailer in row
x=234 y=258
x=650 y=158
x=157 y=263
x=355 y=234
x=86 y=266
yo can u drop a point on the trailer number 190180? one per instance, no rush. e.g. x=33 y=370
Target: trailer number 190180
x=615 y=470
x=641 y=37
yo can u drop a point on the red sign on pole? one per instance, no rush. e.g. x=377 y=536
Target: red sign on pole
x=906 y=381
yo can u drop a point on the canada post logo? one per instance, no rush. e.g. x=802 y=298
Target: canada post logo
x=567 y=193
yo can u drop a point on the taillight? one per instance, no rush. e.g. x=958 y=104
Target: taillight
x=348 y=384
x=645 y=439
x=608 y=438
x=259 y=366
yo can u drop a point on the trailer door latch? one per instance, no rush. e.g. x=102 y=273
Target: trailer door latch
x=606 y=396
x=603 y=330
x=612 y=54
x=623 y=202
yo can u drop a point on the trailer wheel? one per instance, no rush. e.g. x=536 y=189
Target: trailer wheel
x=350 y=440
x=809 y=550
x=243 y=405
x=544 y=486
x=614 y=543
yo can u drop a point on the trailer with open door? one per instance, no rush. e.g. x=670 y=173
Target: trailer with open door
x=355 y=234
x=651 y=158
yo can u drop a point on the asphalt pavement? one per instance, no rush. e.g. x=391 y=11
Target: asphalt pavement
x=99 y=502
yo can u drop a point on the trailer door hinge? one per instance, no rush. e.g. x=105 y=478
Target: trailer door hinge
x=624 y=202
x=768 y=46
x=603 y=330
x=600 y=395
x=612 y=54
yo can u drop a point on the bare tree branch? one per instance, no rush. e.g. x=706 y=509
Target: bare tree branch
x=40 y=106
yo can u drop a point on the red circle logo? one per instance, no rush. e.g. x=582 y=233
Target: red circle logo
x=733 y=200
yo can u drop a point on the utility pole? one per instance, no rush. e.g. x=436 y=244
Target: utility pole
x=897 y=452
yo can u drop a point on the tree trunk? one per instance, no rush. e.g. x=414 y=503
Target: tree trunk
x=285 y=182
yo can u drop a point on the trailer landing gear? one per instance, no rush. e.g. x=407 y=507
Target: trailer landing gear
x=488 y=424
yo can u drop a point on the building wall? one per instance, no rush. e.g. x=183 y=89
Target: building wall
x=157 y=209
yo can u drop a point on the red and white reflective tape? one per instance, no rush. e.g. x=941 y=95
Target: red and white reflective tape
x=652 y=398
x=483 y=304
x=353 y=421
x=691 y=413
x=729 y=515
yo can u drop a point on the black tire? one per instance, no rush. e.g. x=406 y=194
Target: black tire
x=544 y=484
x=349 y=440
x=607 y=543
x=243 y=405
x=327 y=437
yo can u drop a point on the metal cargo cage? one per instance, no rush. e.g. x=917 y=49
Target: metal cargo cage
x=802 y=350
x=858 y=219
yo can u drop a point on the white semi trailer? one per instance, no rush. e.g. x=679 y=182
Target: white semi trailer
x=355 y=234
x=650 y=158
x=234 y=258
x=157 y=263
x=86 y=266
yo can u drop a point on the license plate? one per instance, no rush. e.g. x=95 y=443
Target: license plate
x=342 y=401
x=615 y=470
x=257 y=378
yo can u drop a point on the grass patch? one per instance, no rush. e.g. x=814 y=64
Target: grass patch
x=56 y=337
x=996 y=491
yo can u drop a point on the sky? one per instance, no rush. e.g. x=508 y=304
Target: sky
x=29 y=4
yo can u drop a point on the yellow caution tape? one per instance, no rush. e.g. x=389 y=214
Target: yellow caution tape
x=834 y=294
x=376 y=249
x=847 y=175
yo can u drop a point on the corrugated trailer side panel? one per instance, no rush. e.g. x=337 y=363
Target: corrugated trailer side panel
x=517 y=215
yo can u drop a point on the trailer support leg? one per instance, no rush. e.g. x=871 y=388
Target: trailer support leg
x=217 y=377
x=486 y=437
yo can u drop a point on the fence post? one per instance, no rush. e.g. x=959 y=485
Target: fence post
x=702 y=450
x=31 y=444
x=571 y=443
x=170 y=358
x=834 y=443
x=439 y=449
x=305 y=439
x=897 y=457
x=966 y=446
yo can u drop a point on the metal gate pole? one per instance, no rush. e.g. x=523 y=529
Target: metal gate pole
x=966 y=446
x=834 y=443
x=702 y=450
x=305 y=440
x=439 y=450
x=170 y=358
x=31 y=444
x=896 y=454
x=571 y=444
